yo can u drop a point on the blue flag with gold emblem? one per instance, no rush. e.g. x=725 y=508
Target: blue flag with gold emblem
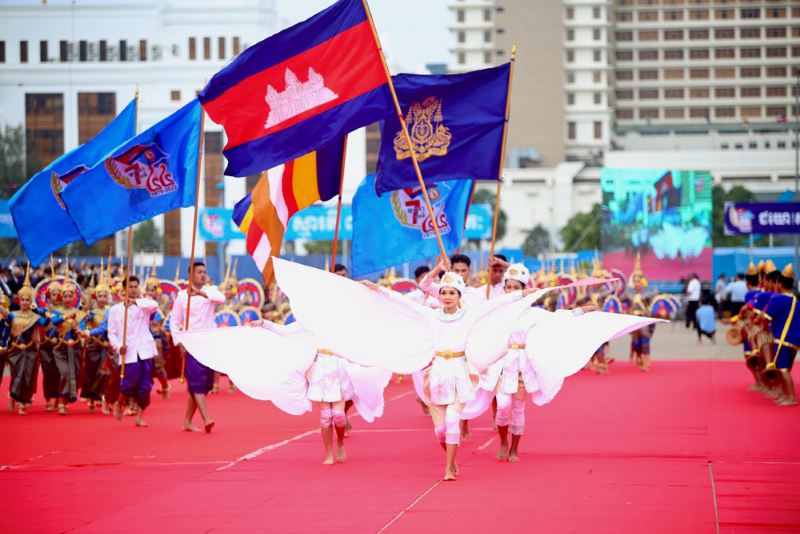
x=38 y=210
x=154 y=172
x=456 y=125
x=396 y=228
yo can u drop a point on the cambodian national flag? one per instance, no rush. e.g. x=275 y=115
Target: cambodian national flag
x=40 y=217
x=299 y=90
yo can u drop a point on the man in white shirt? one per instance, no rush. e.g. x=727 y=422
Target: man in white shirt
x=693 y=290
x=497 y=268
x=199 y=378
x=737 y=290
x=136 y=346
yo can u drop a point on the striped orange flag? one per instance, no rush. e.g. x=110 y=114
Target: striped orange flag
x=263 y=215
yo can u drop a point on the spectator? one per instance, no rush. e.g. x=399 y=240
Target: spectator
x=705 y=321
x=719 y=293
x=693 y=290
x=736 y=291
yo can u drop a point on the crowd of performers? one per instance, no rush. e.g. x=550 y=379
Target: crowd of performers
x=768 y=328
x=469 y=347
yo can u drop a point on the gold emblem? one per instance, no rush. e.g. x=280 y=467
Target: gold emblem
x=429 y=136
x=57 y=186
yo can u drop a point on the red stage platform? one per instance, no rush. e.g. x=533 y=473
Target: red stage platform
x=685 y=448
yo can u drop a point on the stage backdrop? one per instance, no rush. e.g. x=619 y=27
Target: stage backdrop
x=663 y=214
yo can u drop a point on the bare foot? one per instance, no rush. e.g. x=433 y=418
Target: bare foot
x=141 y=422
x=189 y=427
x=328 y=461
x=21 y=409
x=117 y=411
x=348 y=428
x=62 y=409
x=209 y=426
x=165 y=393
x=513 y=457
x=449 y=475
x=788 y=402
x=503 y=452
x=340 y=454
x=455 y=468
x=105 y=409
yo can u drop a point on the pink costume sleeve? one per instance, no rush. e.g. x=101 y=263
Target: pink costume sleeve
x=177 y=317
x=359 y=324
x=148 y=306
x=214 y=294
x=428 y=286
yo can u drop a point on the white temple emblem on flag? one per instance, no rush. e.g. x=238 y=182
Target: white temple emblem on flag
x=297 y=98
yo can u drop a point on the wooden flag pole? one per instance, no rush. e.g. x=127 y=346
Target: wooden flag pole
x=194 y=235
x=128 y=266
x=404 y=128
x=466 y=214
x=502 y=159
x=339 y=206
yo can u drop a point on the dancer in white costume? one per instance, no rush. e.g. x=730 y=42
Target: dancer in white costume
x=290 y=369
x=524 y=368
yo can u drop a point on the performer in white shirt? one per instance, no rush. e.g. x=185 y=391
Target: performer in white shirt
x=199 y=378
x=138 y=348
x=497 y=270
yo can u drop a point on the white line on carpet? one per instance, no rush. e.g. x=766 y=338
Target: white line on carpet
x=407 y=508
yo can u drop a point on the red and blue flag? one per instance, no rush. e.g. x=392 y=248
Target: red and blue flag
x=300 y=89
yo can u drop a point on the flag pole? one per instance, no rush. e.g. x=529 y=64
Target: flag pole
x=128 y=266
x=466 y=214
x=502 y=158
x=404 y=128
x=194 y=235
x=339 y=206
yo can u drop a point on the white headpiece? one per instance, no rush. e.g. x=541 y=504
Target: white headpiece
x=518 y=272
x=454 y=280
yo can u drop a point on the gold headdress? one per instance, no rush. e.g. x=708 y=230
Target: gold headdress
x=67 y=284
x=751 y=269
x=26 y=288
x=788 y=271
x=102 y=279
x=637 y=271
x=152 y=279
x=54 y=289
x=769 y=267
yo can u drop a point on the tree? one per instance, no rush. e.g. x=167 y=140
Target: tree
x=537 y=241
x=13 y=174
x=484 y=196
x=718 y=198
x=582 y=231
x=147 y=237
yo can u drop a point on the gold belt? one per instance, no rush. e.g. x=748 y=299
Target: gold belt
x=787 y=345
x=516 y=346
x=449 y=354
x=327 y=352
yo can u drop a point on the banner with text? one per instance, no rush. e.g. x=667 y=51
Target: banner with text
x=762 y=218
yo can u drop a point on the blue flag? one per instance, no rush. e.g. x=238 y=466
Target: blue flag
x=396 y=228
x=456 y=126
x=152 y=173
x=38 y=210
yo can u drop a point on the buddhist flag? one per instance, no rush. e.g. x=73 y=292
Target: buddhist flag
x=264 y=213
x=299 y=90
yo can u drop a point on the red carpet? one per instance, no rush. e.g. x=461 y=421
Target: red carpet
x=681 y=449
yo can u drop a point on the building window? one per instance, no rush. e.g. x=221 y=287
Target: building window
x=598 y=130
x=487 y=57
x=776 y=91
x=103 y=51
x=624 y=55
x=596 y=34
x=487 y=15
x=776 y=72
x=83 y=48
x=648 y=54
x=460 y=15
x=624 y=16
x=624 y=36
x=750 y=72
x=696 y=74
x=2 y=51
x=570 y=130
x=648 y=113
x=624 y=94
x=698 y=53
x=648 y=35
x=23 y=51
x=648 y=94
x=570 y=34
x=648 y=74
x=597 y=56
x=776 y=51
x=624 y=114
x=674 y=113
x=462 y=58
x=750 y=33
x=175 y=95
x=63 y=51
x=723 y=14
x=698 y=14
x=461 y=37
x=725 y=112
x=698 y=92
x=698 y=35
x=673 y=35
x=776 y=12
x=598 y=99
x=725 y=53
x=570 y=56
x=673 y=14
x=673 y=53
x=237 y=46
x=570 y=99
x=221 y=47
x=192 y=48
x=796 y=51
x=487 y=36
x=750 y=52
x=206 y=47
x=647 y=16
x=624 y=74
x=673 y=74
x=570 y=77
x=750 y=13
x=597 y=76
x=44 y=127
x=726 y=72
x=123 y=50
x=776 y=32
x=142 y=50
x=776 y=111
x=750 y=111
x=724 y=33
x=673 y=93
x=570 y=13
x=95 y=111
x=699 y=113
x=750 y=92
x=725 y=92
x=596 y=12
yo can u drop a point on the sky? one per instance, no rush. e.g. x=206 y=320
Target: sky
x=412 y=32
